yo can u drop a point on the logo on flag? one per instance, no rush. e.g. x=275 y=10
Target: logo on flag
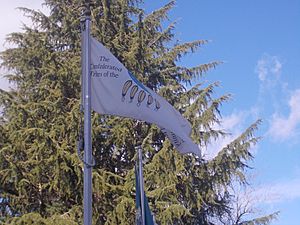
x=138 y=87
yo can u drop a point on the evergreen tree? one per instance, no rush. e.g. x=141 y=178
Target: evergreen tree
x=41 y=174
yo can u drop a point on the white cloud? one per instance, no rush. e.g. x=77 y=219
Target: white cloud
x=231 y=124
x=278 y=192
x=277 y=66
x=271 y=88
x=272 y=100
x=268 y=68
x=283 y=128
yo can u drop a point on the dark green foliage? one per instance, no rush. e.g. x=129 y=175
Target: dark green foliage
x=40 y=172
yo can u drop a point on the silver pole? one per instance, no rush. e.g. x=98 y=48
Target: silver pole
x=87 y=171
x=141 y=185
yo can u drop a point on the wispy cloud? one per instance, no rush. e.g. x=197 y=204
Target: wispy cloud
x=274 y=97
x=283 y=128
x=271 y=88
x=278 y=192
x=268 y=68
x=231 y=124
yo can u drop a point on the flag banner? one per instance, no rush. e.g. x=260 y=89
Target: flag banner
x=148 y=217
x=116 y=91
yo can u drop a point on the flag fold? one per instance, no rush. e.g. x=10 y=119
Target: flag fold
x=116 y=91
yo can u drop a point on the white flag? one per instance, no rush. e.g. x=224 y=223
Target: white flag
x=115 y=91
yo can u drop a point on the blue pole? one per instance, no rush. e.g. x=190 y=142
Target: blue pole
x=87 y=171
x=140 y=157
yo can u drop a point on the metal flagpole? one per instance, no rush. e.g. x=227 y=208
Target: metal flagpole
x=87 y=158
x=140 y=157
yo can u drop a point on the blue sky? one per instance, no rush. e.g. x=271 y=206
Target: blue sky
x=259 y=43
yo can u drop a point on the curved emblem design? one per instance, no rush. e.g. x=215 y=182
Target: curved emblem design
x=125 y=89
x=133 y=87
x=157 y=105
x=141 y=97
x=133 y=91
x=150 y=100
